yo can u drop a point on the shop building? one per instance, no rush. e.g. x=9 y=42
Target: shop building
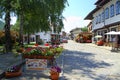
x=105 y=17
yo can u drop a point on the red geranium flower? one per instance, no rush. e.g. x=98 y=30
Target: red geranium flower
x=36 y=44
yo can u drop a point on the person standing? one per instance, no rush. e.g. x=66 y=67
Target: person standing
x=118 y=41
x=115 y=42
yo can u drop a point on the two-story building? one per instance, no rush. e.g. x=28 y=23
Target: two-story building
x=89 y=26
x=105 y=17
x=75 y=32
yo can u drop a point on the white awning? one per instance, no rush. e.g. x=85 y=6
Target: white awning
x=113 y=33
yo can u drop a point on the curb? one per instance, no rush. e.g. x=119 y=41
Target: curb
x=102 y=47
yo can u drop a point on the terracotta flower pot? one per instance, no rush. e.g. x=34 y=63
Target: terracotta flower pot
x=54 y=75
x=13 y=74
x=100 y=43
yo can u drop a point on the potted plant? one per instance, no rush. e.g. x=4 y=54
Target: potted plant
x=13 y=71
x=58 y=50
x=54 y=72
x=19 y=49
x=100 y=43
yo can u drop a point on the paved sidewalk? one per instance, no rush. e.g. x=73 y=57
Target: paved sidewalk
x=7 y=60
x=103 y=47
x=84 y=61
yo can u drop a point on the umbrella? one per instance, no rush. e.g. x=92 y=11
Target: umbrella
x=118 y=32
x=98 y=36
x=112 y=33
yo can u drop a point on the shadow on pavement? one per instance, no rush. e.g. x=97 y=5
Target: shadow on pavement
x=73 y=62
x=76 y=62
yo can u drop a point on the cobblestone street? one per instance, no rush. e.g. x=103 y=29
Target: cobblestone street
x=82 y=61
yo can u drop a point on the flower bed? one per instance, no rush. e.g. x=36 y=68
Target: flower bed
x=42 y=53
x=13 y=71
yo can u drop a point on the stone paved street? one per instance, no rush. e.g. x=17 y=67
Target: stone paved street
x=82 y=61
x=90 y=62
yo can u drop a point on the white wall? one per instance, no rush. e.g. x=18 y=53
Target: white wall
x=45 y=36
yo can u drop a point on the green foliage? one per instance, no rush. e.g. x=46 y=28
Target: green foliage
x=30 y=51
x=2 y=40
x=59 y=49
x=16 y=54
x=49 y=52
x=26 y=46
x=33 y=15
x=84 y=29
x=16 y=27
x=35 y=51
x=40 y=41
x=2 y=25
x=19 y=49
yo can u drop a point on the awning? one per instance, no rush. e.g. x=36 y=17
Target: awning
x=98 y=36
x=113 y=33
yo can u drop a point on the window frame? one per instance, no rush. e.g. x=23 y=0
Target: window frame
x=99 y=18
x=103 y=16
x=112 y=10
x=107 y=13
x=117 y=7
x=96 y=19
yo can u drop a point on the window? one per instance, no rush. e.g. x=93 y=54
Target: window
x=98 y=32
x=103 y=16
x=113 y=29
x=112 y=10
x=99 y=18
x=117 y=7
x=96 y=19
x=106 y=13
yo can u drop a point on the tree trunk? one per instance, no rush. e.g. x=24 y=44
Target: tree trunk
x=21 y=31
x=28 y=41
x=8 y=44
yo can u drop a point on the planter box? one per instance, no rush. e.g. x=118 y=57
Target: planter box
x=50 y=59
x=38 y=57
x=13 y=74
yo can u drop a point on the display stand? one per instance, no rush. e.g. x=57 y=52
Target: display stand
x=33 y=62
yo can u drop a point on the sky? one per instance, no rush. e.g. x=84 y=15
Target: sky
x=76 y=12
